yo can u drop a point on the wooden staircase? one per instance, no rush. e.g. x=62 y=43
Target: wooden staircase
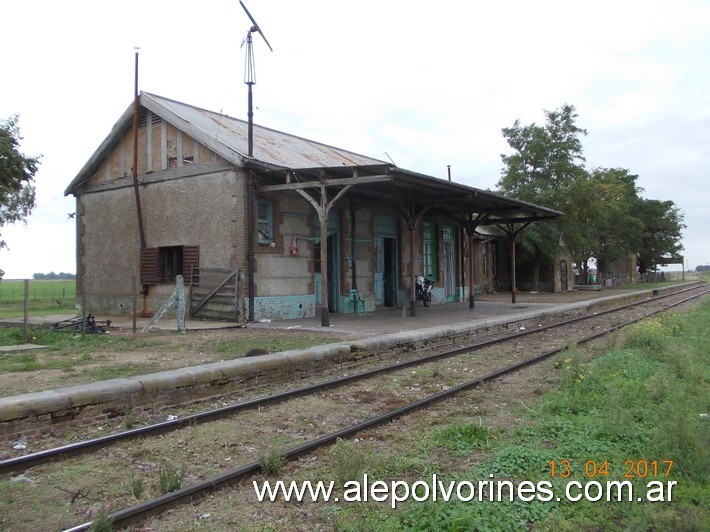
x=215 y=295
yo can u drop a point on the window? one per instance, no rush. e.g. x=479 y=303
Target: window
x=170 y=263
x=429 y=251
x=162 y=265
x=265 y=221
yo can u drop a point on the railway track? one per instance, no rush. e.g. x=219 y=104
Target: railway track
x=461 y=366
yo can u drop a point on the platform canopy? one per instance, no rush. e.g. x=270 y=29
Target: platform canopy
x=411 y=194
x=391 y=186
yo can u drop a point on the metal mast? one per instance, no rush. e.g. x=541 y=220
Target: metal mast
x=250 y=73
x=250 y=80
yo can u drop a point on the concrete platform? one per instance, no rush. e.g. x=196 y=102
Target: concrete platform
x=490 y=308
x=397 y=320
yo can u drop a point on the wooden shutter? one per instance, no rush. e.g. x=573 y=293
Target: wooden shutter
x=149 y=266
x=190 y=259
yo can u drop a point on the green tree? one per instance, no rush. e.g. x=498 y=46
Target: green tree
x=662 y=232
x=17 y=171
x=543 y=168
x=602 y=211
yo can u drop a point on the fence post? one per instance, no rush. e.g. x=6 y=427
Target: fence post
x=83 y=314
x=135 y=305
x=26 y=312
x=180 y=290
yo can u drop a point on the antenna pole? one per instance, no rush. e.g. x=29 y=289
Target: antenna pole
x=250 y=80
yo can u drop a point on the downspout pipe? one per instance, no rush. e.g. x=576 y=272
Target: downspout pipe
x=136 y=188
x=250 y=244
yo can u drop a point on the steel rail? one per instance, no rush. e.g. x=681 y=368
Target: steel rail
x=140 y=511
x=27 y=461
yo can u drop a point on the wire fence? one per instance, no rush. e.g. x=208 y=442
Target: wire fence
x=13 y=291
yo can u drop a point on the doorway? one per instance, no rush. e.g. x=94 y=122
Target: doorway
x=385 y=271
x=449 y=235
x=333 y=274
x=385 y=244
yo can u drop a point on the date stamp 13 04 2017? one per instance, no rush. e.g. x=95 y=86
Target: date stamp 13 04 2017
x=632 y=469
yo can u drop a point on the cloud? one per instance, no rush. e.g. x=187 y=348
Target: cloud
x=430 y=84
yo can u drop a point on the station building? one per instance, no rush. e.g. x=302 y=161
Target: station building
x=276 y=226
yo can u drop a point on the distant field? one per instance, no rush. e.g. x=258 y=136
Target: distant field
x=44 y=297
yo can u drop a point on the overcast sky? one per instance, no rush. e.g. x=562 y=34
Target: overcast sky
x=427 y=84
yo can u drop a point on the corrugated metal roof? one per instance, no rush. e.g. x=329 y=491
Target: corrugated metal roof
x=228 y=137
x=270 y=146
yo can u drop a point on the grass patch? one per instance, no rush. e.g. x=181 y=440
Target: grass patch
x=66 y=351
x=646 y=400
x=461 y=439
x=44 y=297
x=347 y=461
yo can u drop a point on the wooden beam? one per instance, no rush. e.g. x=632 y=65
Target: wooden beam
x=338 y=196
x=327 y=182
x=312 y=201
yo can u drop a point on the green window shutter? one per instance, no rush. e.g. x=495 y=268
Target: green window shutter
x=429 y=251
x=265 y=221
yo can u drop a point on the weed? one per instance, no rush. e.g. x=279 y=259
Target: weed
x=348 y=461
x=654 y=335
x=169 y=478
x=101 y=524
x=136 y=487
x=520 y=461
x=129 y=420
x=272 y=463
x=684 y=436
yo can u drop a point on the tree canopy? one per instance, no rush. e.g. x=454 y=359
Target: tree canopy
x=51 y=276
x=605 y=216
x=662 y=227
x=545 y=163
x=17 y=171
